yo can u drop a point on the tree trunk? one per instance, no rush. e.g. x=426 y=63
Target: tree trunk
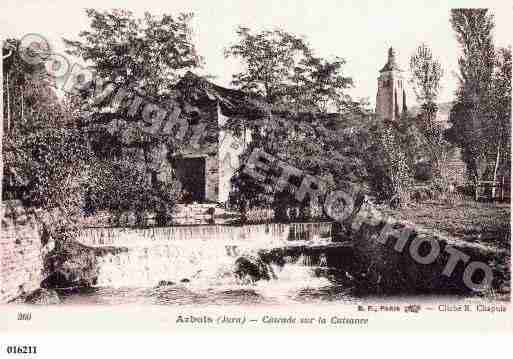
x=495 y=170
x=8 y=103
x=22 y=110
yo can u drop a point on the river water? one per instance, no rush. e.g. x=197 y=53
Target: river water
x=295 y=284
x=195 y=266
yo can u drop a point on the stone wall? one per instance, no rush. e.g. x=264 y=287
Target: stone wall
x=383 y=248
x=21 y=252
x=212 y=179
x=228 y=164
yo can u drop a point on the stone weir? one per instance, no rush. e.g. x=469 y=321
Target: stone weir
x=200 y=254
x=277 y=232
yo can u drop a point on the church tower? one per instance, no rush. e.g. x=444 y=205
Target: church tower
x=391 y=97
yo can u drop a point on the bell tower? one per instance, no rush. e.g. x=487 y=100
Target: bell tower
x=391 y=97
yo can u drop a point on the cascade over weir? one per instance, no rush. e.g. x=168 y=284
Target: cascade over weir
x=194 y=253
x=208 y=253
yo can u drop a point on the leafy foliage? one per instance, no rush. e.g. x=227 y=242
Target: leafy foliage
x=283 y=69
x=473 y=116
x=146 y=55
x=358 y=153
x=270 y=56
x=142 y=53
x=396 y=147
x=427 y=72
x=426 y=75
x=44 y=154
x=120 y=185
x=501 y=106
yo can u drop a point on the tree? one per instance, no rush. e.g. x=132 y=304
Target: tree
x=288 y=137
x=44 y=154
x=357 y=152
x=270 y=58
x=283 y=69
x=426 y=74
x=473 y=121
x=322 y=85
x=501 y=110
x=146 y=56
x=391 y=150
x=121 y=185
x=142 y=53
x=25 y=85
x=425 y=80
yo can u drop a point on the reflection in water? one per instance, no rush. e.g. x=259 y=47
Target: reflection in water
x=294 y=284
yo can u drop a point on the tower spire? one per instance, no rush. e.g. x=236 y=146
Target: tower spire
x=391 y=63
x=391 y=56
x=391 y=96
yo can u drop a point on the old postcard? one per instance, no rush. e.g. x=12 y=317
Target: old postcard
x=192 y=165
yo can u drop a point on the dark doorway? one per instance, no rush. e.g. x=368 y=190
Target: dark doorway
x=191 y=174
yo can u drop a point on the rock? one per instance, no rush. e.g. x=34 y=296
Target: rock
x=71 y=265
x=57 y=279
x=68 y=278
x=252 y=268
x=43 y=296
x=185 y=280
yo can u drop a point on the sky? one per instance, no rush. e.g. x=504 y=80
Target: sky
x=359 y=31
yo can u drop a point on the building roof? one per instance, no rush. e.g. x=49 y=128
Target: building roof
x=391 y=64
x=199 y=91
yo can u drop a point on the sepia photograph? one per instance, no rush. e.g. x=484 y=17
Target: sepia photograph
x=186 y=164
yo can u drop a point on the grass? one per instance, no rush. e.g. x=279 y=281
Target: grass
x=486 y=223
x=482 y=222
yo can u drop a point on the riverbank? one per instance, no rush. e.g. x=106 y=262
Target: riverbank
x=483 y=223
x=205 y=255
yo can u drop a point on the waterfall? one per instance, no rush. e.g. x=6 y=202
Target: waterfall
x=306 y=260
x=147 y=266
x=196 y=253
x=260 y=232
x=310 y=231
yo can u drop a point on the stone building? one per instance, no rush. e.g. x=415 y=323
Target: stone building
x=205 y=169
x=203 y=158
x=205 y=172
